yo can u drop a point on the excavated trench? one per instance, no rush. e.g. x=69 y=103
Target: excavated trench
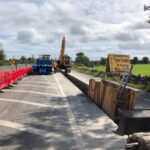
x=129 y=121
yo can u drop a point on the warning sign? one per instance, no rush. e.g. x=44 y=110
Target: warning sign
x=12 y=61
x=118 y=63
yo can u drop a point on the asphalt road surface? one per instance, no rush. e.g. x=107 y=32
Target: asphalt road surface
x=47 y=112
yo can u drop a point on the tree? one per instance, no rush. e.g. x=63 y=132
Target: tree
x=86 y=60
x=2 y=57
x=32 y=59
x=147 y=8
x=96 y=62
x=81 y=59
x=23 y=60
x=135 y=60
x=103 y=61
x=145 y=60
x=29 y=60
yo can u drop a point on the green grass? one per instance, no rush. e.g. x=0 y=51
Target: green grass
x=142 y=69
x=145 y=69
x=99 y=68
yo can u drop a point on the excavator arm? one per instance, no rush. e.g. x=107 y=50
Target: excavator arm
x=62 y=51
x=64 y=61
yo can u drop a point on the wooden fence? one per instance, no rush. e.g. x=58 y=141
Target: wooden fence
x=106 y=95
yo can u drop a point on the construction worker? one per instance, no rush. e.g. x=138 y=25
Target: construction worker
x=55 y=66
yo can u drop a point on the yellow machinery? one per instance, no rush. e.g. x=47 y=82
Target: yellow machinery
x=64 y=61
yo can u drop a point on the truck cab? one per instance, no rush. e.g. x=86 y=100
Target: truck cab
x=44 y=65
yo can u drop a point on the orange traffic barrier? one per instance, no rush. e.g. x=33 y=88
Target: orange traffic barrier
x=7 y=78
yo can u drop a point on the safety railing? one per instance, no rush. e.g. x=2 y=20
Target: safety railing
x=7 y=78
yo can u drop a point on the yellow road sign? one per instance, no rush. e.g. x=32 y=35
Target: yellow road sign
x=119 y=63
x=12 y=61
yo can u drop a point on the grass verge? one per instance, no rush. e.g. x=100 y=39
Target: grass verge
x=138 y=86
x=142 y=69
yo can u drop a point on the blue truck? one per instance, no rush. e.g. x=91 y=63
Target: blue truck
x=44 y=65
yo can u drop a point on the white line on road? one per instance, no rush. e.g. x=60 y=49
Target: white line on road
x=29 y=129
x=75 y=129
x=32 y=92
x=48 y=81
x=29 y=78
x=36 y=86
x=27 y=102
x=33 y=82
x=4 y=112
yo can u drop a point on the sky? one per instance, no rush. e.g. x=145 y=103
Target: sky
x=95 y=27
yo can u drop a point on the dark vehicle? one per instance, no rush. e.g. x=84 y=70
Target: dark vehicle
x=44 y=65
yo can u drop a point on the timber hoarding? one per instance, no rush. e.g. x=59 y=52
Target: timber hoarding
x=118 y=63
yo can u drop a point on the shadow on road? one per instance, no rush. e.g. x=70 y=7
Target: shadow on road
x=94 y=125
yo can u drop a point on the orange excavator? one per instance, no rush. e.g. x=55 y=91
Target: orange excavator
x=64 y=61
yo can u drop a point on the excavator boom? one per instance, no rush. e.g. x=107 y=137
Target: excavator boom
x=64 y=60
x=62 y=51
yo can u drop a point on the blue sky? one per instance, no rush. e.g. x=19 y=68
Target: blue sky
x=95 y=27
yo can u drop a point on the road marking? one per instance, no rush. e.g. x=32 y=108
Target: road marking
x=29 y=129
x=74 y=127
x=4 y=112
x=33 y=82
x=29 y=78
x=27 y=102
x=32 y=92
x=36 y=86
x=53 y=85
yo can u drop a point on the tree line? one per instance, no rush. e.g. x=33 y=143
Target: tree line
x=21 y=60
x=81 y=59
x=144 y=60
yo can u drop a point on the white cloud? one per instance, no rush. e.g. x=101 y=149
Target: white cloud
x=41 y=24
x=29 y=36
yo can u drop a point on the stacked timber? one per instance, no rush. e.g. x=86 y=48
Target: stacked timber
x=138 y=141
x=106 y=95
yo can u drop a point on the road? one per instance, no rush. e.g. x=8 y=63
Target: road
x=142 y=99
x=47 y=112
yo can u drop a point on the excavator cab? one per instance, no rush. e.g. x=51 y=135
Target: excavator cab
x=64 y=60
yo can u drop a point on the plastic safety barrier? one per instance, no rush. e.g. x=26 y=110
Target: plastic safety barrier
x=7 y=78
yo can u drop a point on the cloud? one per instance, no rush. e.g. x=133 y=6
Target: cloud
x=127 y=36
x=87 y=25
x=139 y=25
x=29 y=37
x=135 y=46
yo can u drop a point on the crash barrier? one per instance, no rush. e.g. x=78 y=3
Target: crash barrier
x=139 y=79
x=7 y=78
x=106 y=95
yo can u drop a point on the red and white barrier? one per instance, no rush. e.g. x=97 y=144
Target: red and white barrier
x=7 y=78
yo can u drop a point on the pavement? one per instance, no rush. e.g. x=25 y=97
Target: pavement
x=142 y=99
x=48 y=112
